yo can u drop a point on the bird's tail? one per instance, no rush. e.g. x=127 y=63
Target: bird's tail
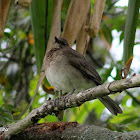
x=111 y=105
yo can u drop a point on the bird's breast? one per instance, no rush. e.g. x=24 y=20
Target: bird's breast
x=63 y=76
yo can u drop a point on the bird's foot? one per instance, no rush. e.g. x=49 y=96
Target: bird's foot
x=70 y=93
x=65 y=93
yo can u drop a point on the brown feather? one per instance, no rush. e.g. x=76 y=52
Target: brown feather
x=78 y=60
x=61 y=59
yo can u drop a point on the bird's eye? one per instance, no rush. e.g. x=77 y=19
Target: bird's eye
x=65 y=44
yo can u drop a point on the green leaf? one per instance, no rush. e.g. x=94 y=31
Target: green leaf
x=9 y=107
x=129 y=119
x=41 y=17
x=130 y=29
x=105 y=73
x=121 y=36
x=107 y=33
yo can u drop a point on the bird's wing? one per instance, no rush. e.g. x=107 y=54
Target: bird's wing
x=77 y=60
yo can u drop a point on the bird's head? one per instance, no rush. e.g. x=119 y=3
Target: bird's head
x=61 y=41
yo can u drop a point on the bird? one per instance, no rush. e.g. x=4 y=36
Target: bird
x=68 y=70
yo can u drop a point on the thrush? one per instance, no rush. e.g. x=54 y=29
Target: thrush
x=67 y=69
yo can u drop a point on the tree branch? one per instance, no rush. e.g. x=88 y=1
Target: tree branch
x=133 y=97
x=4 y=7
x=76 y=15
x=73 y=131
x=96 y=19
x=69 y=101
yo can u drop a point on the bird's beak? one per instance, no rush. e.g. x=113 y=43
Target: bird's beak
x=56 y=40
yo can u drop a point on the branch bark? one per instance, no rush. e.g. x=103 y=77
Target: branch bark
x=24 y=3
x=74 y=132
x=4 y=7
x=69 y=101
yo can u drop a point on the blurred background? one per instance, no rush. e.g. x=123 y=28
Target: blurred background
x=19 y=69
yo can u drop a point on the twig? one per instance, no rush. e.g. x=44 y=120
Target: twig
x=24 y=3
x=15 y=60
x=134 y=98
x=111 y=5
x=69 y=101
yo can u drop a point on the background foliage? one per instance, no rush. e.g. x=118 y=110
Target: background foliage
x=19 y=64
